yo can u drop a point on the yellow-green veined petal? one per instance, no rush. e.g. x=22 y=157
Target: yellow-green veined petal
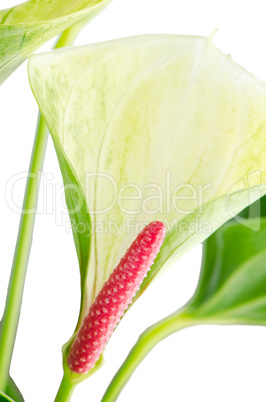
x=158 y=115
x=25 y=27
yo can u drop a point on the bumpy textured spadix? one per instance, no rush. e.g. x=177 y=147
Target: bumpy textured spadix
x=114 y=298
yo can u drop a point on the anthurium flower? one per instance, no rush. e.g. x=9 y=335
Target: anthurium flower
x=158 y=127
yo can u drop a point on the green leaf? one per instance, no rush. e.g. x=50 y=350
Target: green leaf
x=135 y=114
x=231 y=290
x=11 y=388
x=25 y=27
x=256 y=210
x=232 y=285
x=13 y=392
x=4 y=398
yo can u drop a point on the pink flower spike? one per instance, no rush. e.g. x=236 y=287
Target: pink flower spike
x=114 y=298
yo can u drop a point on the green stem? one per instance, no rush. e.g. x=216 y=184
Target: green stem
x=10 y=318
x=146 y=342
x=65 y=391
x=9 y=323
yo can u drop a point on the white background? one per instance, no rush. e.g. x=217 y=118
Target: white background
x=199 y=364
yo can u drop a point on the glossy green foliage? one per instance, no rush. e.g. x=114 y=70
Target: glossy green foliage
x=231 y=290
x=25 y=27
x=232 y=285
x=5 y=398
x=12 y=391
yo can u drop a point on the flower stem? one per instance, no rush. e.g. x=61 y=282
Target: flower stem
x=65 y=390
x=146 y=342
x=10 y=318
x=9 y=323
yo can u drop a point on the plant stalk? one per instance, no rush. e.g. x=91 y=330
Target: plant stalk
x=11 y=315
x=146 y=342
x=65 y=390
x=9 y=323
